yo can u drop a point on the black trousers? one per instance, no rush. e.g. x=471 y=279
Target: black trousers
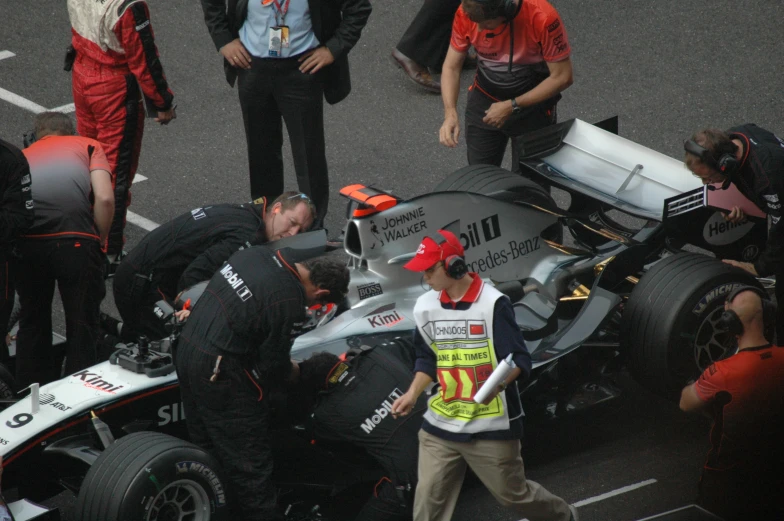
x=77 y=268
x=273 y=91
x=6 y=303
x=230 y=419
x=487 y=144
x=426 y=40
x=389 y=502
x=135 y=296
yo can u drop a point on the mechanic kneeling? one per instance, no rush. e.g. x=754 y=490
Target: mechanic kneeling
x=189 y=249
x=744 y=394
x=351 y=392
x=236 y=345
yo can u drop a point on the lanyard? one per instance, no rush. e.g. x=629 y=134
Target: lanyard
x=280 y=12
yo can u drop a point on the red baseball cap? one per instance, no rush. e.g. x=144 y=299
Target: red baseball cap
x=430 y=252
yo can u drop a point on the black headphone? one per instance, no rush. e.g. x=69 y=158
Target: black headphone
x=731 y=322
x=454 y=265
x=727 y=164
x=498 y=8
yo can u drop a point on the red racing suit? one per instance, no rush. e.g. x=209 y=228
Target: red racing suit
x=115 y=55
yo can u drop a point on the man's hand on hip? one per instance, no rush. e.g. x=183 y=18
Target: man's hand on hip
x=236 y=53
x=315 y=60
x=498 y=113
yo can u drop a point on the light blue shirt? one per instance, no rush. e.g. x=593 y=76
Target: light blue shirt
x=254 y=33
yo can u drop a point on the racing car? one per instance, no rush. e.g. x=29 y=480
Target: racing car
x=600 y=283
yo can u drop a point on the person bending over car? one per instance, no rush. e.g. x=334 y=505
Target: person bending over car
x=753 y=159
x=234 y=348
x=348 y=395
x=190 y=248
x=523 y=64
x=458 y=431
x=744 y=395
x=72 y=190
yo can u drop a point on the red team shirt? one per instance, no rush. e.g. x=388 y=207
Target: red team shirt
x=746 y=392
x=60 y=168
x=539 y=37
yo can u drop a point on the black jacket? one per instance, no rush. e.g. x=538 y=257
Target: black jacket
x=337 y=24
x=16 y=203
x=191 y=247
x=761 y=179
x=253 y=307
x=356 y=409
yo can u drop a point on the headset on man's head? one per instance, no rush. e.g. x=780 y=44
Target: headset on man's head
x=731 y=322
x=454 y=265
x=726 y=164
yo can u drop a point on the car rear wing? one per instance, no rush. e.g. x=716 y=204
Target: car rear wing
x=590 y=160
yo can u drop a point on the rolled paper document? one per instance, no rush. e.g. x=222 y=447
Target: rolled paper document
x=505 y=367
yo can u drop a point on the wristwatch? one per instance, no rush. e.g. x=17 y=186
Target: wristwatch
x=515 y=107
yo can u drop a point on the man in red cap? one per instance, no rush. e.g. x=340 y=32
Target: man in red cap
x=464 y=329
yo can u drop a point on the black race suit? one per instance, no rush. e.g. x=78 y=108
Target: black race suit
x=16 y=216
x=248 y=316
x=186 y=250
x=355 y=409
x=761 y=179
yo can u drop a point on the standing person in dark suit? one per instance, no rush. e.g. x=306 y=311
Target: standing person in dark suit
x=16 y=216
x=286 y=55
x=424 y=44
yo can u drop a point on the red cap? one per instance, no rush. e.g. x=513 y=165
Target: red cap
x=430 y=252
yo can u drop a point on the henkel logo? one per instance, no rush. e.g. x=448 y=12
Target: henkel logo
x=384 y=410
x=720 y=232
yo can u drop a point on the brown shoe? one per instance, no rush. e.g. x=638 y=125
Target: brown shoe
x=418 y=74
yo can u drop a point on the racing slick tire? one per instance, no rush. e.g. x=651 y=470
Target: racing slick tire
x=669 y=329
x=152 y=476
x=503 y=185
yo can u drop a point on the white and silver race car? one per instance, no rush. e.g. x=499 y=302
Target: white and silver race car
x=590 y=294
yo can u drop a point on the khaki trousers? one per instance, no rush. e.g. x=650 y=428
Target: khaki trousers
x=442 y=466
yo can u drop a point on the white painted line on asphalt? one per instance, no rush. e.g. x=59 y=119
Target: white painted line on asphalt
x=141 y=222
x=612 y=493
x=608 y=495
x=65 y=109
x=6 y=54
x=21 y=102
x=138 y=178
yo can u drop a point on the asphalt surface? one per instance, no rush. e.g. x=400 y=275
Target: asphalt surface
x=666 y=68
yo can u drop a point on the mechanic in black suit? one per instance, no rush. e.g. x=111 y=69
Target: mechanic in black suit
x=234 y=348
x=286 y=56
x=189 y=249
x=753 y=159
x=352 y=405
x=425 y=42
x=16 y=216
